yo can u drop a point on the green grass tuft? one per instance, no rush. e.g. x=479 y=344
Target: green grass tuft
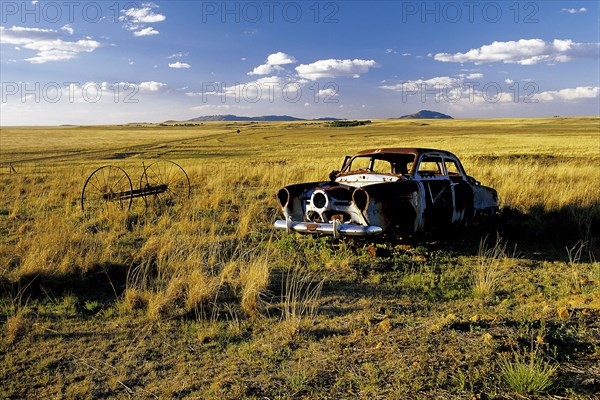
x=528 y=373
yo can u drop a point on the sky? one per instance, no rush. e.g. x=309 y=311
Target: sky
x=109 y=62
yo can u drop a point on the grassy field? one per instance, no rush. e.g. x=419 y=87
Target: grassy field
x=205 y=300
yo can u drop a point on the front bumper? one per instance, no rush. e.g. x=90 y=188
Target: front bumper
x=336 y=228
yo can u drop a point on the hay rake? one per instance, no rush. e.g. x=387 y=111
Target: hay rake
x=163 y=183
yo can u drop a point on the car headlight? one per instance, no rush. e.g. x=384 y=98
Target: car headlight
x=319 y=200
x=284 y=196
x=360 y=197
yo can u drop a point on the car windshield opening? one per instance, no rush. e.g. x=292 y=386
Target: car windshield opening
x=395 y=164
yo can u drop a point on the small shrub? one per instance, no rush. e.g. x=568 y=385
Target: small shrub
x=345 y=123
x=92 y=305
x=67 y=308
x=527 y=373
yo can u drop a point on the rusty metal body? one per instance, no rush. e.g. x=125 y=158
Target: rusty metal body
x=394 y=191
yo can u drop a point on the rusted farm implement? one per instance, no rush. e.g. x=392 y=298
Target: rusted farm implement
x=163 y=183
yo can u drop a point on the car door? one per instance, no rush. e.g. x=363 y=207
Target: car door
x=438 y=194
x=462 y=193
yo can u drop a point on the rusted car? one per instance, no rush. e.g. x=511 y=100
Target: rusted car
x=391 y=191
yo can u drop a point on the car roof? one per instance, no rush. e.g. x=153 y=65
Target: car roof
x=401 y=150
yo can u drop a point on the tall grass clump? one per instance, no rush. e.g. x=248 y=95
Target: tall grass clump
x=17 y=325
x=17 y=322
x=301 y=291
x=487 y=273
x=576 y=271
x=527 y=373
x=172 y=277
x=254 y=279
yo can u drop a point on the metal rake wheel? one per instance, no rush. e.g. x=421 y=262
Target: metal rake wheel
x=108 y=189
x=165 y=183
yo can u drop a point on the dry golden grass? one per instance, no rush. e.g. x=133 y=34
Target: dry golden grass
x=214 y=265
x=537 y=166
x=17 y=325
x=254 y=278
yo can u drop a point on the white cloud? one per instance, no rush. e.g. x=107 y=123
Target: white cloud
x=455 y=91
x=471 y=76
x=334 y=68
x=574 y=10
x=179 y=65
x=580 y=92
x=149 y=31
x=455 y=94
x=473 y=96
x=135 y=18
x=145 y=87
x=265 y=90
x=261 y=89
x=438 y=81
x=141 y=15
x=22 y=35
x=525 y=52
x=272 y=64
x=68 y=28
x=178 y=55
x=151 y=86
x=280 y=58
x=265 y=69
x=96 y=92
x=47 y=44
x=211 y=107
x=329 y=92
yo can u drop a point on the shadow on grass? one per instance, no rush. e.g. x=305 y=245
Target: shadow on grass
x=538 y=234
x=105 y=283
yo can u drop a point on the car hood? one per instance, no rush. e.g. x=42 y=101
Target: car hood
x=365 y=179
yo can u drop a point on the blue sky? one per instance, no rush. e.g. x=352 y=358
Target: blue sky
x=103 y=62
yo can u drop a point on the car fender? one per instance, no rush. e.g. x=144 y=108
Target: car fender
x=394 y=203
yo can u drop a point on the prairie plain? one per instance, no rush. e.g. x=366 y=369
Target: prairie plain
x=205 y=300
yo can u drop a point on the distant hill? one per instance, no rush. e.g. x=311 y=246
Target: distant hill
x=425 y=114
x=230 y=117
